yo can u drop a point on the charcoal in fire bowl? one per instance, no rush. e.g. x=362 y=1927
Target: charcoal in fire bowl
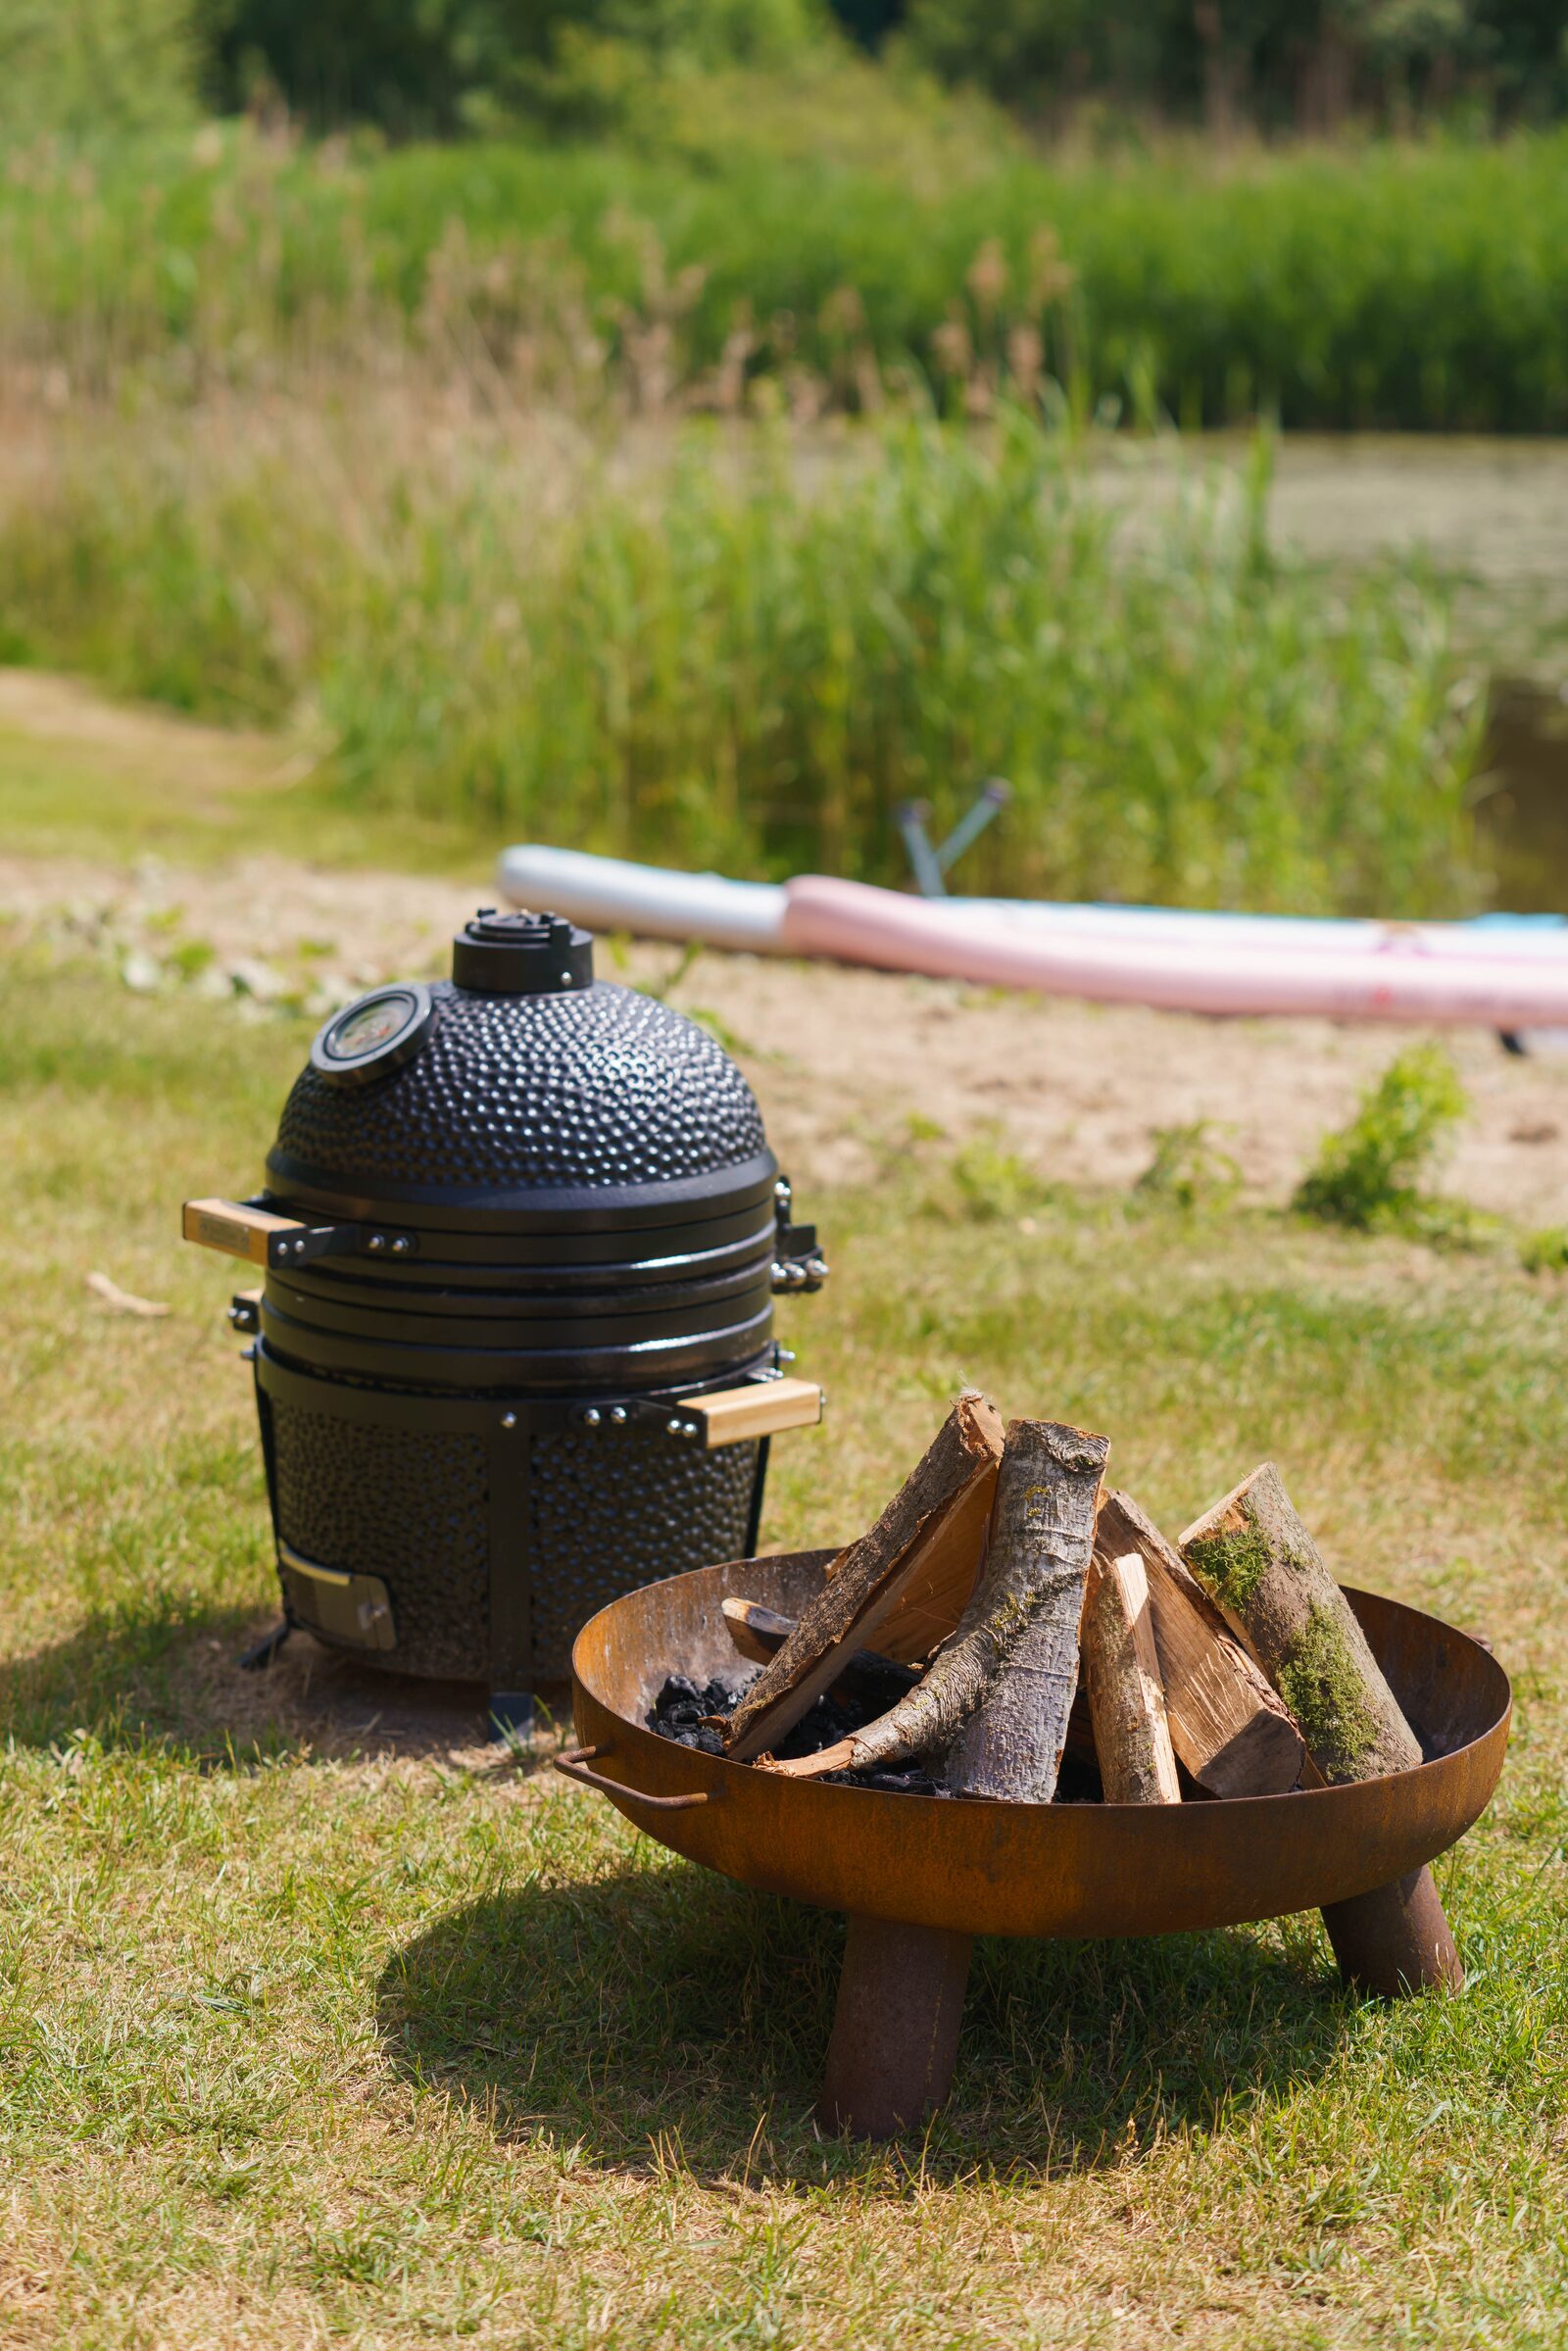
x=920 y=1876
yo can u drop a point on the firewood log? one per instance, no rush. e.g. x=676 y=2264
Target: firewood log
x=759 y=1634
x=1042 y=1539
x=866 y=1581
x=1234 y=1733
x=934 y=1597
x=1126 y=1701
x=995 y=1701
x=1254 y=1557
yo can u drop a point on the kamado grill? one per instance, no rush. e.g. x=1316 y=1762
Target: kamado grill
x=513 y=1354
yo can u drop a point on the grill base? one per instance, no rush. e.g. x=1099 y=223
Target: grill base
x=440 y=1520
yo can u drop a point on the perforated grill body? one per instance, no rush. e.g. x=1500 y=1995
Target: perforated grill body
x=413 y=1510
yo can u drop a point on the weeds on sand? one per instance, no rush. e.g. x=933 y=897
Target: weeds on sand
x=1368 y=1175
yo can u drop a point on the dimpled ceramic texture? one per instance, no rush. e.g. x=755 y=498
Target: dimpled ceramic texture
x=596 y=1088
x=413 y=1508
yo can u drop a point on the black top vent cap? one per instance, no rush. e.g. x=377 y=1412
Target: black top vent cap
x=521 y=955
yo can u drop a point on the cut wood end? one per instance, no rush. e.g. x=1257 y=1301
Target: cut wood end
x=981 y=1423
x=1229 y=1512
x=758 y=1632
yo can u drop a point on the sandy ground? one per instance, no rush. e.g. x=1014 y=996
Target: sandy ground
x=842 y=1061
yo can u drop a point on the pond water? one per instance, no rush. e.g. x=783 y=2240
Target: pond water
x=1492 y=514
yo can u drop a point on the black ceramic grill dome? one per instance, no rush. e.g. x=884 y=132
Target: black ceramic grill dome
x=594 y=1088
x=522 y=1232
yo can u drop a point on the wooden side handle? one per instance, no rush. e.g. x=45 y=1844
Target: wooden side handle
x=238 y=1231
x=763 y=1409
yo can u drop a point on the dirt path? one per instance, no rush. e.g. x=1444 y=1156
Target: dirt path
x=842 y=1061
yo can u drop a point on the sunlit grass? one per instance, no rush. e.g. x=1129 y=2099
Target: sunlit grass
x=298 y=2044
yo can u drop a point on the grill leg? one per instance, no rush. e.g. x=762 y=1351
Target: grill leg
x=1396 y=1939
x=259 y=1654
x=511 y=1713
x=895 y=2027
x=511 y=1598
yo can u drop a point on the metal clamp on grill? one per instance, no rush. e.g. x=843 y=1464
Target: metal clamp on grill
x=509 y=1217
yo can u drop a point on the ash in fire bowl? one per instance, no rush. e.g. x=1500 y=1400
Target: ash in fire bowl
x=1011 y=1630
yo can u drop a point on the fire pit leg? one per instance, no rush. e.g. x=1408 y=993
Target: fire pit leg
x=1396 y=1939
x=895 y=2027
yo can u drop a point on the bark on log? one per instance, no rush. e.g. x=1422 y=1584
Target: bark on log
x=863 y=1581
x=996 y=1700
x=1229 y=1729
x=1126 y=1702
x=1258 y=1561
x=1042 y=1540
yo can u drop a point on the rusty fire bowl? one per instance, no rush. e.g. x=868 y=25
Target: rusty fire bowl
x=951 y=1868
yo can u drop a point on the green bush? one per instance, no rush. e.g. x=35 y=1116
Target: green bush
x=750 y=661
x=835 y=235
x=575 y=65
x=1368 y=1175
x=77 y=68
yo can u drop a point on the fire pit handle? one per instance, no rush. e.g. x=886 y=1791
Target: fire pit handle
x=573 y=1762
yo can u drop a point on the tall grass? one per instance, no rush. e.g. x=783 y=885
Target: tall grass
x=1387 y=285
x=732 y=659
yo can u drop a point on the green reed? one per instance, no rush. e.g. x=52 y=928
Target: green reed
x=748 y=656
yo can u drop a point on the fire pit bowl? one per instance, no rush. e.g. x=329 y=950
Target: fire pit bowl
x=920 y=1876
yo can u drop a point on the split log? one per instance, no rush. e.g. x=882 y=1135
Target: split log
x=1126 y=1702
x=1229 y=1729
x=933 y=1597
x=866 y=1581
x=759 y=1634
x=995 y=1701
x=1258 y=1561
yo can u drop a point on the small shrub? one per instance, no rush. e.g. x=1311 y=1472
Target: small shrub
x=1189 y=1169
x=993 y=1184
x=1546 y=1252
x=1368 y=1174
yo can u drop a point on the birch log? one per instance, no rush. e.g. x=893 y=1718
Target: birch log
x=1227 y=1726
x=866 y=1581
x=1252 y=1554
x=996 y=1700
x=1126 y=1701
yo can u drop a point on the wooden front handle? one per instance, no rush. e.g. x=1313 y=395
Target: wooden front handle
x=230 y=1226
x=762 y=1408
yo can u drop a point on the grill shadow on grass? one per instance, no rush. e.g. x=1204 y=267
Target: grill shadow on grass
x=141 y=1674
x=660 y=2007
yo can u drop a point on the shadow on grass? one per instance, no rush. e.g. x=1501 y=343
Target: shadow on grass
x=138 y=1676
x=662 y=2011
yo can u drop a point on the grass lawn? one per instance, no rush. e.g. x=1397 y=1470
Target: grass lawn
x=305 y=2040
